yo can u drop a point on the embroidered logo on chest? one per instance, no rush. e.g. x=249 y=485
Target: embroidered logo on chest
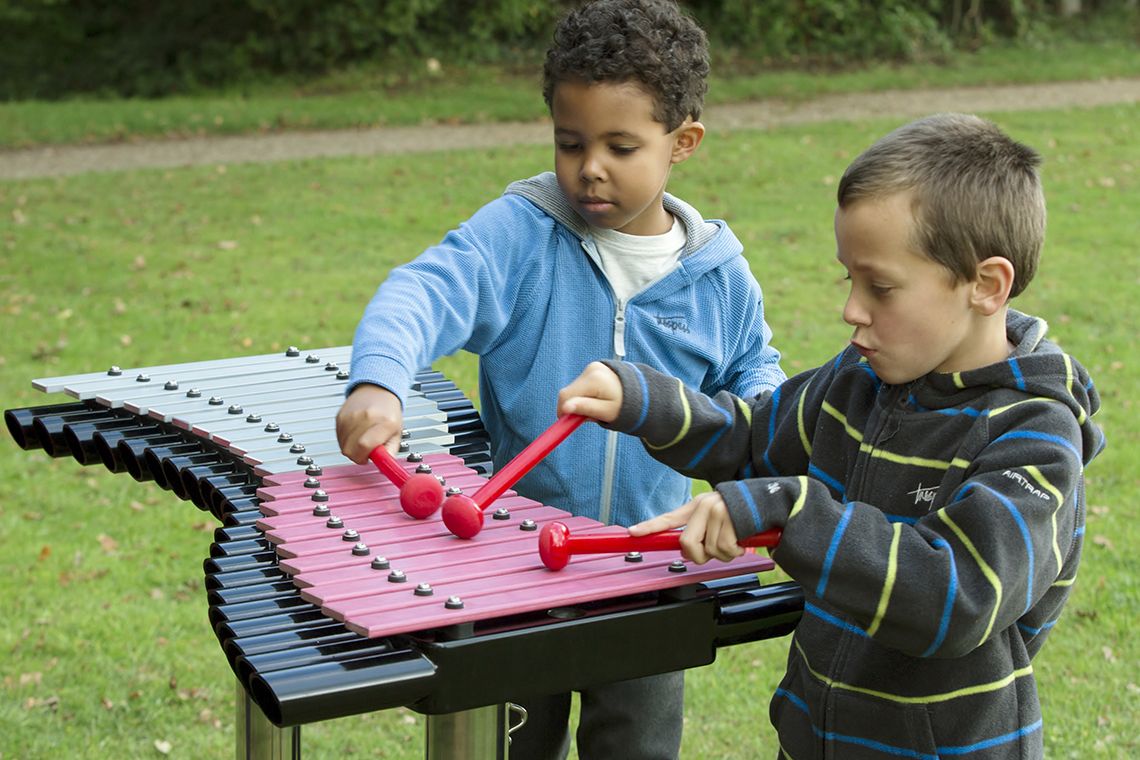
x=924 y=495
x=676 y=324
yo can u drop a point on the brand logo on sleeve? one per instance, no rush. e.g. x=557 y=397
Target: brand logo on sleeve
x=1032 y=489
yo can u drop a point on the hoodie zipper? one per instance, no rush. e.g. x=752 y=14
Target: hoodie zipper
x=605 y=508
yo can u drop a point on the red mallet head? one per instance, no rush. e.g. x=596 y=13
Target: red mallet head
x=421 y=495
x=462 y=516
x=554 y=545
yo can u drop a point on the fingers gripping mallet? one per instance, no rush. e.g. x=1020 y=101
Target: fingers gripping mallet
x=555 y=544
x=421 y=493
x=463 y=515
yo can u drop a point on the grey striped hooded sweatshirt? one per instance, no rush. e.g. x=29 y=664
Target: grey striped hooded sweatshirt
x=935 y=527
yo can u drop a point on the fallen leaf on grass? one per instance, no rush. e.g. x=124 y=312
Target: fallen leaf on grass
x=1103 y=542
x=163 y=746
x=108 y=544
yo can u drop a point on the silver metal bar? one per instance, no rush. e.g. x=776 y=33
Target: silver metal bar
x=89 y=384
x=323 y=450
x=139 y=402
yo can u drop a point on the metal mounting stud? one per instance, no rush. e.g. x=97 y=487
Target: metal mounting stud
x=397 y=576
x=502 y=513
x=361 y=549
x=633 y=557
x=424 y=589
x=453 y=603
x=350 y=535
x=380 y=563
x=528 y=525
x=334 y=522
x=678 y=566
x=320 y=495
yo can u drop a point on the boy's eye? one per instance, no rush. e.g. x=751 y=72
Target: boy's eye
x=624 y=150
x=567 y=146
x=881 y=290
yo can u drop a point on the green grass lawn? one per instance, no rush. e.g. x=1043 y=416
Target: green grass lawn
x=105 y=641
x=366 y=96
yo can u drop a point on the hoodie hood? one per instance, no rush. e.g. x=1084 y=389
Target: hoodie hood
x=708 y=244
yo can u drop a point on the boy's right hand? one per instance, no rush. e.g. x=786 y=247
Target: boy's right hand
x=371 y=416
x=596 y=393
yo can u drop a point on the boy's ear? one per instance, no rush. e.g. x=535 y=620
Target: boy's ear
x=686 y=139
x=992 y=283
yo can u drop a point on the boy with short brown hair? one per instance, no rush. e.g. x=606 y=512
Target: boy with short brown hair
x=928 y=480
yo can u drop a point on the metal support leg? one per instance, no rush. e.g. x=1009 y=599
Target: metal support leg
x=258 y=738
x=472 y=734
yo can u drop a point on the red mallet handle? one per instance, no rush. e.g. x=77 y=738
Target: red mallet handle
x=421 y=493
x=555 y=544
x=388 y=466
x=463 y=515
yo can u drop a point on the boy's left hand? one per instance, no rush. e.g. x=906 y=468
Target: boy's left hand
x=708 y=530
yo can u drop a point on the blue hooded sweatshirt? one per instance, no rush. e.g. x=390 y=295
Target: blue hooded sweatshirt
x=519 y=284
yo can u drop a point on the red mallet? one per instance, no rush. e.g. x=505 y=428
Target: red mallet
x=421 y=493
x=463 y=515
x=555 y=544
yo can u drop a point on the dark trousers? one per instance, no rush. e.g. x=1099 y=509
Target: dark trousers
x=640 y=719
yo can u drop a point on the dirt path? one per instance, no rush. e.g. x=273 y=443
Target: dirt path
x=67 y=160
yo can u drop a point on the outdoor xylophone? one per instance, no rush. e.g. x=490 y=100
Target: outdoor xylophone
x=330 y=599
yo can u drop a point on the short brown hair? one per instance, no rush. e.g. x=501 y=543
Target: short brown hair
x=976 y=192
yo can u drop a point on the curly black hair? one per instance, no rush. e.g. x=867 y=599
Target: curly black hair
x=648 y=42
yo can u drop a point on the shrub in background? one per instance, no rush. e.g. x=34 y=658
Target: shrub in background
x=151 y=48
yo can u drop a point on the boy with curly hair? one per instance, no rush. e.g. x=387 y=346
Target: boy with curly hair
x=928 y=480
x=595 y=260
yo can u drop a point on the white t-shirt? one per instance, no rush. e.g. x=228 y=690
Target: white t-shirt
x=633 y=261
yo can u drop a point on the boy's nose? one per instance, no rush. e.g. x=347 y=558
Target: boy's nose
x=591 y=169
x=853 y=313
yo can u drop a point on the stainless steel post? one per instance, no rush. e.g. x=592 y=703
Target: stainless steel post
x=258 y=738
x=473 y=734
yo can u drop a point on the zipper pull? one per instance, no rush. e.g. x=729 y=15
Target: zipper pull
x=619 y=331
